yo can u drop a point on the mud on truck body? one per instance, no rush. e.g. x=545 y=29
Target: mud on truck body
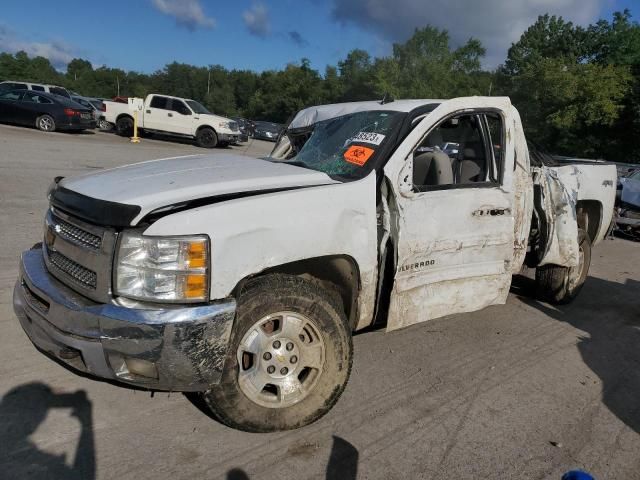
x=243 y=279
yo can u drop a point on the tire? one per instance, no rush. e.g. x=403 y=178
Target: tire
x=124 y=126
x=46 y=123
x=283 y=303
x=206 y=138
x=560 y=285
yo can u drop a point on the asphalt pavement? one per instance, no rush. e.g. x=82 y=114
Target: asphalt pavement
x=520 y=391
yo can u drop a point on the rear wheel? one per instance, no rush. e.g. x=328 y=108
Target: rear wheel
x=289 y=359
x=560 y=285
x=206 y=138
x=46 y=123
x=124 y=126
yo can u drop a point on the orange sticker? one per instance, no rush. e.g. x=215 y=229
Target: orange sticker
x=358 y=155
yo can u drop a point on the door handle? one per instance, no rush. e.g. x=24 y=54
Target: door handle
x=491 y=212
x=148 y=111
x=169 y=114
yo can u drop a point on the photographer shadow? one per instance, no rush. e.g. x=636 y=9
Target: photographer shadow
x=343 y=463
x=22 y=410
x=609 y=313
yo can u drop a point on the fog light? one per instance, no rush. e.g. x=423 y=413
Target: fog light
x=143 y=368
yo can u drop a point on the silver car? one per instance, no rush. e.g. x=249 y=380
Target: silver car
x=97 y=107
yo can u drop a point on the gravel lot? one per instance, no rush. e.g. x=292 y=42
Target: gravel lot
x=522 y=391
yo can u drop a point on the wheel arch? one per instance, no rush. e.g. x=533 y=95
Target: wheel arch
x=124 y=115
x=202 y=127
x=589 y=217
x=337 y=273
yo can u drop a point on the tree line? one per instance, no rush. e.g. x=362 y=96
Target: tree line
x=577 y=88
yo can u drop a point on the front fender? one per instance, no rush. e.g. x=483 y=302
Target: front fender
x=250 y=235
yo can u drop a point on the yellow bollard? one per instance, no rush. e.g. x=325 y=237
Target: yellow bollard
x=135 y=138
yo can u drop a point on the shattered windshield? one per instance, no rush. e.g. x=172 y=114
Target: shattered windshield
x=344 y=146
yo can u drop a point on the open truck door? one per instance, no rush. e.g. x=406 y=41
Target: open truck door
x=457 y=217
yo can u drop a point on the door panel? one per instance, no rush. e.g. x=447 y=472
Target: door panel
x=455 y=243
x=9 y=107
x=155 y=113
x=179 y=119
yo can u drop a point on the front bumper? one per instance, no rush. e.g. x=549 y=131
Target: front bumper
x=178 y=349
x=228 y=137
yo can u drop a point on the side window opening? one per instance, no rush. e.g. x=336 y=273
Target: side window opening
x=37 y=88
x=59 y=91
x=179 y=107
x=11 y=96
x=463 y=150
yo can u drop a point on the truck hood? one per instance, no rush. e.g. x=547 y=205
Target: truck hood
x=155 y=184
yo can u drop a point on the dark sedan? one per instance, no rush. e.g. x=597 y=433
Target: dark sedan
x=246 y=128
x=44 y=111
x=267 y=130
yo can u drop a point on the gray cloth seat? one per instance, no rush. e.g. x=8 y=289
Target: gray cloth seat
x=432 y=168
x=471 y=168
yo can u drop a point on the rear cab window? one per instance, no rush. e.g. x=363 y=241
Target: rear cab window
x=159 y=102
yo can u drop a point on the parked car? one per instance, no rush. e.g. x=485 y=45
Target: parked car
x=36 y=87
x=181 y=117
x=44 y=111
x=246 y=128
x=267 y=130
x=628 y=213
x=98 y=108
x=243 y=279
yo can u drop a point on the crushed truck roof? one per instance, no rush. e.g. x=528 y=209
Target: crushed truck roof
x=310 y=116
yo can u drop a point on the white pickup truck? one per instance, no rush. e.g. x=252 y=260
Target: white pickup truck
x=180 y=117
x=243 y=279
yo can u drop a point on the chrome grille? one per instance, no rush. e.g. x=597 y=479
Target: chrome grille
x=76 y=234
x=233 y=126
x=80 y=254
x=77 y=272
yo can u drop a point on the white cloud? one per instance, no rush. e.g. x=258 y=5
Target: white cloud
x=187 y=13
x=257 y=20
x=497 y=23
x=59 y=53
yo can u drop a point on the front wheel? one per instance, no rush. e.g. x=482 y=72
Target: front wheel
x=46 y=123
x=289 y=358
x=206 y=138
x=560 y=285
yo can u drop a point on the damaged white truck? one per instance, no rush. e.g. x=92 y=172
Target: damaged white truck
x=243 y=279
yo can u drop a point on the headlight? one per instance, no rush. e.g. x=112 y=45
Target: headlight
x=224 y=125
x=163 y=269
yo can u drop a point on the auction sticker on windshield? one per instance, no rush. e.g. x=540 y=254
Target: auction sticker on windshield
x=358 y=155
x=367 y=137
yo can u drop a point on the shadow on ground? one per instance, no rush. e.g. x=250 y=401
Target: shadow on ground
x=609 y=314
x=22 y=410
x=343 y=463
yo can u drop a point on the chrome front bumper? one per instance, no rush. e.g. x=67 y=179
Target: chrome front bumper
x=178 y=349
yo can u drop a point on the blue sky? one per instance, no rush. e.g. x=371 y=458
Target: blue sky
x=144 y=35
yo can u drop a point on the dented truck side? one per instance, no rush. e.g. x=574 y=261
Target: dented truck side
x=358 y=217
